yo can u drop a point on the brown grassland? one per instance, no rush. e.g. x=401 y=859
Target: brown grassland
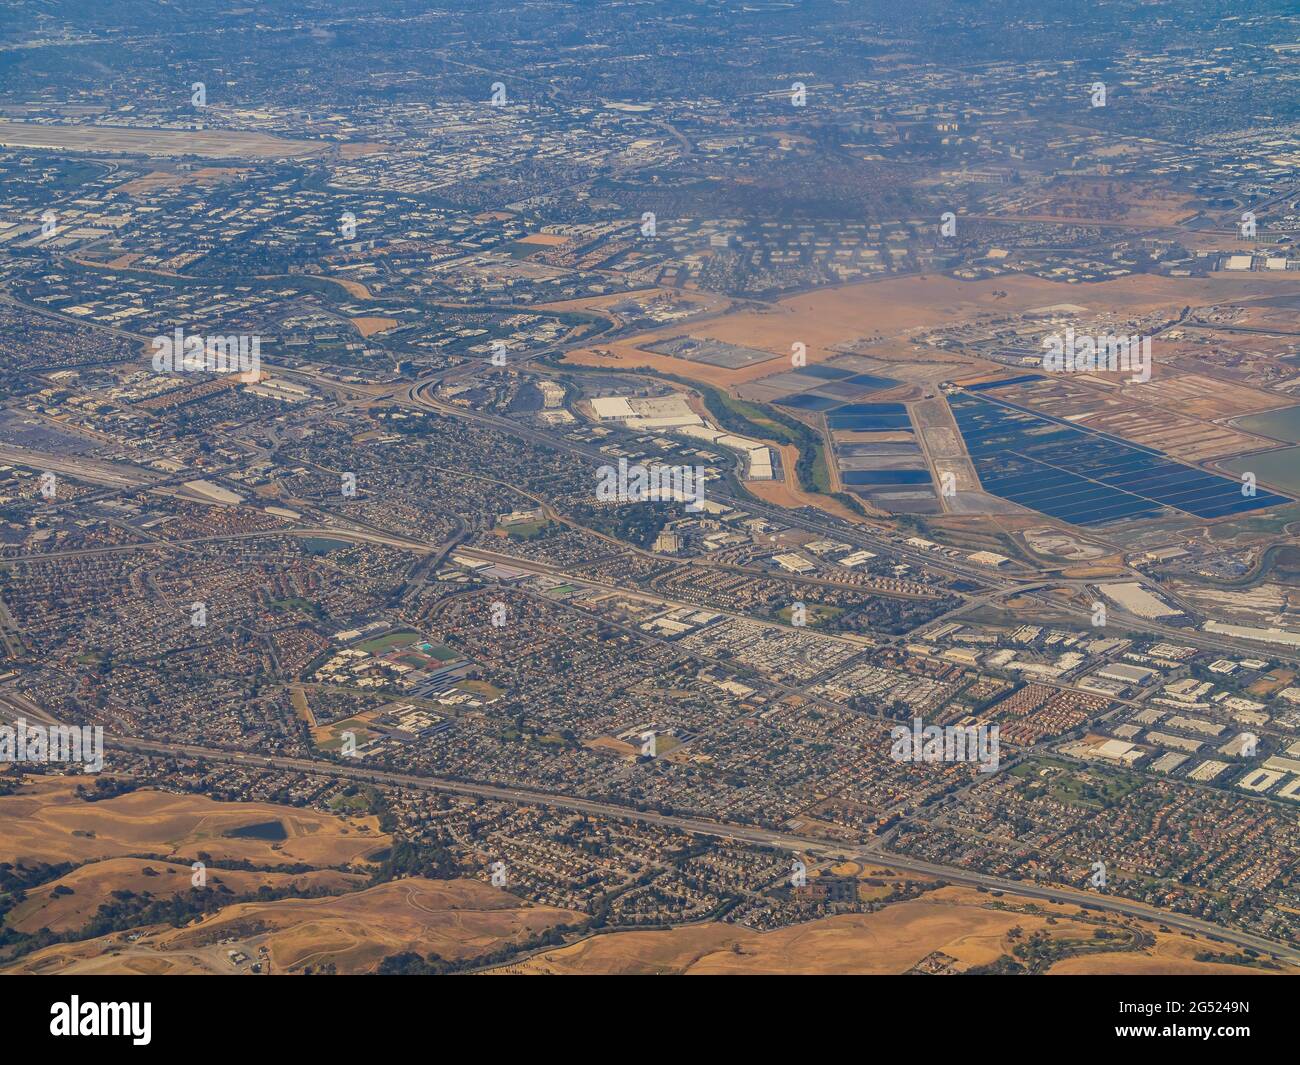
x=94 y=883
x=955 y=920
x=454 y=919
x=368 y=327
x=47 y=822
x=355 y=928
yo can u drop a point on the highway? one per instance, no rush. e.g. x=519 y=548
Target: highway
x=858 y=536
x=989 y=585
x=20 y=706
x=990 y=588
x=716 y=830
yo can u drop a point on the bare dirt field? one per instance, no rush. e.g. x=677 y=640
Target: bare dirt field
x=1201 y=396
x=787 y=492
x=358 y=149
x=547 y=240
x=626 y=355
x=910 y=302
x=368 y=327
x=1049 y=540
x=164 y=179
x=353 y=288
